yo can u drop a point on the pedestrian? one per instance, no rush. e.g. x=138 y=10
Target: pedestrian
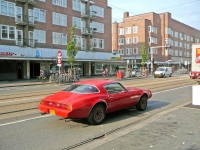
x=116 y=69
x=41 y=73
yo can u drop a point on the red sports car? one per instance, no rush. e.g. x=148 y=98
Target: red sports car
x=93 y=99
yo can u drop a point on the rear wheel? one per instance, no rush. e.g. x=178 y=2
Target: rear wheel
x=142 y=104
x=97 y=115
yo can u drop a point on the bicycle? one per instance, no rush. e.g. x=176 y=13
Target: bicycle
x=41 y=78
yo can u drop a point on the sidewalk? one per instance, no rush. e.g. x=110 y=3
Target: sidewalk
x=29 y=82
x=177 y=129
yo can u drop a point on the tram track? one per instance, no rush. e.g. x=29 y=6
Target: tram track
x=20 y=108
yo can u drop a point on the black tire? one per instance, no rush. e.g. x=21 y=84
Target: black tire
x=142 y=104
x=97 y=115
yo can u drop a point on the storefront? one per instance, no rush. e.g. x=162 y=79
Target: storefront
x=26 y=62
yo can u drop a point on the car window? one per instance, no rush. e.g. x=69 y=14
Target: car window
x=160 y=69
x=114 y=88
x=81 y=88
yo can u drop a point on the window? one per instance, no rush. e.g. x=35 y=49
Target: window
x=176 y=52
x=77 y=22
x=197 y=40
x=98 y=27
x=59 y=38
x=7 y=8
x=62 y=3
x=152 y=29
x=128 y=51
x=152 y=40
x=188 y=54
x=188 y=38
x=98 y=43
x=128 y=30
x=101 y=43
x=180 y=35
x=76 y=5
x=114 y=88
x=59 y=19
x=128 y=40
x=168 y=31
x=121 y=51
x=188 y=46
x=135 y=50
x=180 y=44
x=40 y=36
x=135 y=40
x=7 y=32
x=39 y=15
x=121 y=31
x=99 y=11
x=77 y=40
x=121 y=41
x=135 y=29
x=176 y=34
x=176 y=43
x=180 y=53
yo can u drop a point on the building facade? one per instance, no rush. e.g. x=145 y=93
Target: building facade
x=33 y=31
x=156 y=31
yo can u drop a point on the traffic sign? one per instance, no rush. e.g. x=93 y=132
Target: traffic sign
x=59 y=53
x=59 y=61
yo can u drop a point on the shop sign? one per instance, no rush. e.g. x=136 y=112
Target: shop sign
x=6 y=54
x=115 y=58
x=38 y=53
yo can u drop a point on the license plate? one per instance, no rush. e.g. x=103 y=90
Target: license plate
x=52 y=112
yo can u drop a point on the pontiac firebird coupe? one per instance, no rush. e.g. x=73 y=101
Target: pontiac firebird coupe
x=93 y=99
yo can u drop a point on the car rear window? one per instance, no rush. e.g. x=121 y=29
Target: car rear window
x=160 y=69
x=81 y=88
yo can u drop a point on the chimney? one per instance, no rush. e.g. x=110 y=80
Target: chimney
x=126 y=14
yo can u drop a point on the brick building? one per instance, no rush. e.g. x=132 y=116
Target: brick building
x=155 y=30
x=32 y=32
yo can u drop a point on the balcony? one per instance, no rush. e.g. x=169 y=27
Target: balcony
x=32 y=43
x=87 y=48
x=84 y=1
x=20 y=20
x=32 y=2
x=85 y=14
x=22 y=1
x=87 y=31
x=21 y=42
x=31 y=21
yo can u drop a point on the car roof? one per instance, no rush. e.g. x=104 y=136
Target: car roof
x=96 y=82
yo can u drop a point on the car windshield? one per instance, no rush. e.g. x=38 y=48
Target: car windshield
x=160 y=69
x=81 y=88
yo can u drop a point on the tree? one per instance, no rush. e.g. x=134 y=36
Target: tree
x=144 y=54
x=71 y=48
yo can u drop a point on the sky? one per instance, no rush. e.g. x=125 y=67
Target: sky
x=185 y=11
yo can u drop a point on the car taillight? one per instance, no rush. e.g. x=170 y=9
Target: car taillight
x=64 y=106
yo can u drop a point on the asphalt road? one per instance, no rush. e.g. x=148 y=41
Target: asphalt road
x=52 y=133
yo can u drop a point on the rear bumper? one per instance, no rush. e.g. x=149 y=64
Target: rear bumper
x=58 y=112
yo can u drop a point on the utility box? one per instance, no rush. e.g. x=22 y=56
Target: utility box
x=196 y=95
x=120 y=75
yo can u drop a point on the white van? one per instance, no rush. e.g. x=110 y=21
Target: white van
x=163 y=72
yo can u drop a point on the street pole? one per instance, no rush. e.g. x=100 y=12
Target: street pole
x=168 y=46
x=151 y=61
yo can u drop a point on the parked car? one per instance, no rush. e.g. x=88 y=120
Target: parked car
x=163 y=72
x=93 y=99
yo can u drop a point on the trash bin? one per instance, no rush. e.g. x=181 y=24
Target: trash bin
x=120 y=75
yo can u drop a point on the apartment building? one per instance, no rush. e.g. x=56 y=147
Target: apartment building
x=155 y=31
x=33 y=31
